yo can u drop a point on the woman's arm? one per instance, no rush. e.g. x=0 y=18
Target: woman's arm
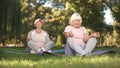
x=28 y=36
x=95 y=34
x=86 y=36
x=47 y=38
x=68 y=34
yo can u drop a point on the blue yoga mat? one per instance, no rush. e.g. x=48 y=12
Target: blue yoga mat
x=13 y=52
x=57 y=51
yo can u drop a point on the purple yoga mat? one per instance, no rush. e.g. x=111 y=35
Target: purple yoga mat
x=103 y=52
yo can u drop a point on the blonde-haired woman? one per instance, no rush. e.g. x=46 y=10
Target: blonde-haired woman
x=78 y=40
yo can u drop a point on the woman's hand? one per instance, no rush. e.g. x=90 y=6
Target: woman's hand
x=71 y=34
x=68 y=34
x=96 y=34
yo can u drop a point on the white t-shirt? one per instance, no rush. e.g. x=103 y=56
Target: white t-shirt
x=39 y=38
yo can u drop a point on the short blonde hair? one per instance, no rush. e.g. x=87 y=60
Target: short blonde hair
x=75 y=16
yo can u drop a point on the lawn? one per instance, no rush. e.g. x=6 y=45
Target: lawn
x=8 y=60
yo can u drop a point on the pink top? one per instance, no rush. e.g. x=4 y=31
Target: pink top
x=78 y=33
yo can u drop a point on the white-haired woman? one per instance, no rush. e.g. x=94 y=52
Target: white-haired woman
x=78 y=40
x=38 y=40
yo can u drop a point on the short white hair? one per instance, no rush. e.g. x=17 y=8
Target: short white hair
x=75 y=16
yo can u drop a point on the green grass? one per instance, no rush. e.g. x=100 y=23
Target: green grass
x=49 y=61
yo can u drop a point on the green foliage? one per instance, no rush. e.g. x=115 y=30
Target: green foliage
x=17 y=17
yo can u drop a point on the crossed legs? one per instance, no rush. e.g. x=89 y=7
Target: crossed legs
x=88 y=47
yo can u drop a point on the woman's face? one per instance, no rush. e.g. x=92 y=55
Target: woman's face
x=76 y=23
x=39 y=24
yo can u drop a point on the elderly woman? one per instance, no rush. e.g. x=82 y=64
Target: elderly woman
x=78 y=40
x=38 y=40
